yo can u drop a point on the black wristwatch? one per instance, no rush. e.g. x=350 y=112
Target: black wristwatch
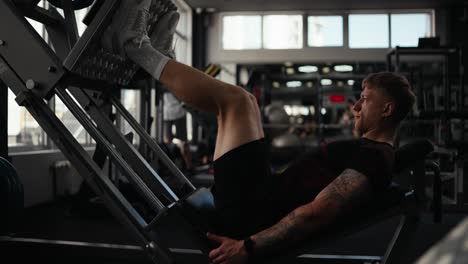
x=249 y=245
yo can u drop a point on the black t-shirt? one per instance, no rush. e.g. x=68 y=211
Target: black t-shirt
x=309 y=174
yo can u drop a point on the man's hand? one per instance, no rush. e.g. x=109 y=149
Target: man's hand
x=230 y=251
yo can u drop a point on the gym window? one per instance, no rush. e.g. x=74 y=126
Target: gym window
x=71 y=123
x=368 y=31
x=389 y=30
x=37 y=26
x=361 y=29
x=253 y=32
x=183 y=39
x=325 y=31
x=79 y=16
x=23 y=130
x=282 y=31
x=242 y=32
x=130 y=99
x=406 y=29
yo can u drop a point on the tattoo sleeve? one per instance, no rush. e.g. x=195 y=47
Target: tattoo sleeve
x=347 y=191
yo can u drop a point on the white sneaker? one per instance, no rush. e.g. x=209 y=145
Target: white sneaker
x=128 y=26
x=162 y=36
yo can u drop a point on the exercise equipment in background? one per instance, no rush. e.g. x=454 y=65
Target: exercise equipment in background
x=11 y=196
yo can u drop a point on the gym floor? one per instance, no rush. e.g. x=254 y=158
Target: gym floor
x=66 y=220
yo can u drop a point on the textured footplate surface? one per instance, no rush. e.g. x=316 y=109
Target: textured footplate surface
x=95 y=63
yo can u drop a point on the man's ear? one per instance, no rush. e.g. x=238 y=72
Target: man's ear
x=389 y=109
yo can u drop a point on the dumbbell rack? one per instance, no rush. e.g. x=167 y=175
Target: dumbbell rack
x=83 y=76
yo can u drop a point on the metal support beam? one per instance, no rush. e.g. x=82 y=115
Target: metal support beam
x=44 y=16
x=3 y=120
x=401 y=239
x=160 y=112
x=151 y=143
x=152 y=200
x=126 y=149
x=200 y=20
x=27 y=53
x=70 y=22
x=145 y=114
x=83 y=163
x=58 y=35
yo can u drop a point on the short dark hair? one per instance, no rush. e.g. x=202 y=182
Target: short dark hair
x=397 y=87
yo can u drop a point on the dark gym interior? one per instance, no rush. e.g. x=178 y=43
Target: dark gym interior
x=101 y=163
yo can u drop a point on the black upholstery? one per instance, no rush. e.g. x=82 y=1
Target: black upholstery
x=411 y=152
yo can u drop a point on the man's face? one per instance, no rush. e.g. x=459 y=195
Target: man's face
x=368 y=110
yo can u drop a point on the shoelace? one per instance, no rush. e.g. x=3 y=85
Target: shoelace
x=147 y=17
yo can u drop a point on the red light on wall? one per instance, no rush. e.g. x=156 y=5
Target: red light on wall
x=337 y=98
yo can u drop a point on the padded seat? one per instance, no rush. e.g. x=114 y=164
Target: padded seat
x=411 y=152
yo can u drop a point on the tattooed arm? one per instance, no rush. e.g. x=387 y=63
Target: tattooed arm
x=347 y=191
x=344 y=194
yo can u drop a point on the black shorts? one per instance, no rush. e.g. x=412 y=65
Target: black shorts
x=244 y=190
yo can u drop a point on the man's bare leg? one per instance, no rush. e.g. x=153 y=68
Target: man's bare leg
x=237 y=112
x=239 y=120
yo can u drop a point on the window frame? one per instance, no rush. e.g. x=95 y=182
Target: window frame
x=306 y=33
x=261 y=14
x=431 y=13
x=249 y=14
x=185 y=10
x=389 y=13
x=263 y=31
x=370 y=13
x=344 y=14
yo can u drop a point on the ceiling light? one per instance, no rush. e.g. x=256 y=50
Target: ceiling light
x=288 y=109
x=294 y=84
x=312 y=110
x=309 y=84
x=304 y=111
x=276 y=85
x=326 y=69
x=343 y=68
x=307 y=68
x=323 y=111
x=351 y=82
x=326 y=82
x=290 y=71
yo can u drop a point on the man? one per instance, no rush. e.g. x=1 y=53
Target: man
x=268 y=213
x=174 y=114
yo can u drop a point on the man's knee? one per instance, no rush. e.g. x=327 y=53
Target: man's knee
x=239 y=100
x=253 y=100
